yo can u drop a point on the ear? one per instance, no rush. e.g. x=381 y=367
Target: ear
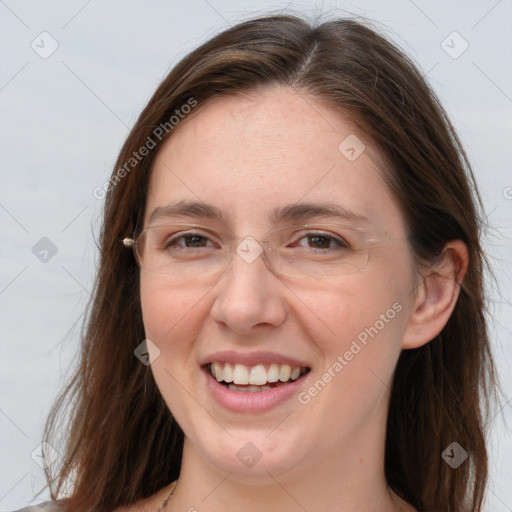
x=436 y=295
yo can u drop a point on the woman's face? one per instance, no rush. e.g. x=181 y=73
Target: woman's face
x=239 y=167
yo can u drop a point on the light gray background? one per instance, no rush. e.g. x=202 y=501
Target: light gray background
x=64 y=118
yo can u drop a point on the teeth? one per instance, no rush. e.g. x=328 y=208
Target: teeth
x=217 y=371
x=258 y=375
x=241 y=375
x=295 y=373
x=273 y=373
x=228 y=373
x=248 y=389
x=285 y=372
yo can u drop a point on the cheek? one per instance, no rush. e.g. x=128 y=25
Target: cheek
x=358 y=326
x=171 y=322
x=340 y=312
x=170 y=312
x=359 y=355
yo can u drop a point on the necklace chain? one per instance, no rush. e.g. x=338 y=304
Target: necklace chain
x=164 y=503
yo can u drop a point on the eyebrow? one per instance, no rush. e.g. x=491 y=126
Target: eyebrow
x=294 y=212
x=195 y=209
x=304 y=211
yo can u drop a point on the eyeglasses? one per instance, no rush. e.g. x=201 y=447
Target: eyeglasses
x=309 y=250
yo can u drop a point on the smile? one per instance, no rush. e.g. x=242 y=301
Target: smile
x=254 y=379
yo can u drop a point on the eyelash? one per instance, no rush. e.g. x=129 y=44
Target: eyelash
x=172 y=241
x=338 y=241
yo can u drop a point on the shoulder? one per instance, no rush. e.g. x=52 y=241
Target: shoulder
x=47 y=506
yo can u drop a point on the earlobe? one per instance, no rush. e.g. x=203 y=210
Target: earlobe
x=436 y=295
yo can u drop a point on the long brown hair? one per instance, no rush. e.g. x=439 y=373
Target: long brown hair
x=124 y=444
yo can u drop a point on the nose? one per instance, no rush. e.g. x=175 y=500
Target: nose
x=249 y=297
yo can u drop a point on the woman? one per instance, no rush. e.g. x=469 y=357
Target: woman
x=288 y=311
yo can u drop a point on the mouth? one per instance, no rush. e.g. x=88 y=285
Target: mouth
x=254 y=379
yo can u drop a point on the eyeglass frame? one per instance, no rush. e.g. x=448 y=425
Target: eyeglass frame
x=267 y=249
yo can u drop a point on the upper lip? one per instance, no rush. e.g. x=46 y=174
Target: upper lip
x=251 y=358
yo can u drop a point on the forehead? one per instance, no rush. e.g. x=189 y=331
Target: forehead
x=250 y=155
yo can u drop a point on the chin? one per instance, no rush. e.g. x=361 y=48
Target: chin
x=252 y=456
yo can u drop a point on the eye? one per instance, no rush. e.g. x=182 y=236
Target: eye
x=321 y=241
x=189 y=240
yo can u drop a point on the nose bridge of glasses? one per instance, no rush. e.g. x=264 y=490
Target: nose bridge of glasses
x=249 y=249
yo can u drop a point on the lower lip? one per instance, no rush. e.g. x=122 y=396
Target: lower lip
x=258 y=401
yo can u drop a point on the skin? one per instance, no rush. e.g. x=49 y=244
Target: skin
x=247 y=155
